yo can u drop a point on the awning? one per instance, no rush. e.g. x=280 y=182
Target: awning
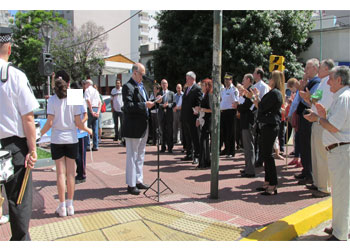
x=114 y=68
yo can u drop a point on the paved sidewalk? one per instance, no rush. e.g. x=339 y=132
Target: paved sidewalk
x=105 y=211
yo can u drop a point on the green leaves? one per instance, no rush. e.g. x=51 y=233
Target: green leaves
x=249 y=38
x=28 y=42
x=79 y=61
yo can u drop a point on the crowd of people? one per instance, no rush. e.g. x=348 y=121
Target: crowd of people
x=260 y=118
x=254 y=116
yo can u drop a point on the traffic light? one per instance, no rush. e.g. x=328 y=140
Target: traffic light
x=276 y=63
x=46 y=65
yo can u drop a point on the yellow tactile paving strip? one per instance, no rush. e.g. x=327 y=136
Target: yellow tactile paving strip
x=147 y=223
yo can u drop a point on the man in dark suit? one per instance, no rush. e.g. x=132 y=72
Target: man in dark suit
x=135 y=128
x=192 y=98
x=165 y=114
x=247 y=122
x=311 y=76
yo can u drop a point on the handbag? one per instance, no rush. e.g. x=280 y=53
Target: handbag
x=103 y=108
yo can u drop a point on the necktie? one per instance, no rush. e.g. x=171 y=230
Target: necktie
x=188 y=90
x=143 y=91
x=165 y=97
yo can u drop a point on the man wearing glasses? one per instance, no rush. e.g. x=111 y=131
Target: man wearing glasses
x=135 y=128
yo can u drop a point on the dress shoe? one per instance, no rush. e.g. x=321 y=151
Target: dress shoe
x=299 y=176
x=195 y=161
x=320 y=194
x=162 y=150
x=242 y=171
x=229 y=156
x=187 y=158
x=199 y=167
x=94 y=149
x=270 y=190
x=311 y=187
x=248 y=175
x=170 y=151
x=305 y=181
x=142 y=186
x=223 y=152
x=328 y=230
x=80 y=180
x=133 y=190
x=332 y=238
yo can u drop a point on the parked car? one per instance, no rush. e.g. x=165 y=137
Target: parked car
x=37 y=129
x=107 y=121
x=40 y=113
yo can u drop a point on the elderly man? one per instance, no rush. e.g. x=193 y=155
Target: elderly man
x=191 y=99
x=247 y=122
x=321 y=182
x=135 y=128
x=165 y=114
x=263 y=89
x=336 y=139
x=177 y=114
x=93 y=101
x=311 y=75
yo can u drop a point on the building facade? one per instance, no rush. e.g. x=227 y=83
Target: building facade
x=331 y=37
x=127 y=38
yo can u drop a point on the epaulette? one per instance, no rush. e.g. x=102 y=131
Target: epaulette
x=5 y=72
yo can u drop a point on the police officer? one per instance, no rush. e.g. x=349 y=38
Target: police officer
x=17 y=134
x=228 y=108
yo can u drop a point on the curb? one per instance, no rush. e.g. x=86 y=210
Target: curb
x=44 y=163
x=295 y=224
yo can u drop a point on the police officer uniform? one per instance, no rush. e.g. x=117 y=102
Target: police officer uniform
x=228 y=117
x=17 y=99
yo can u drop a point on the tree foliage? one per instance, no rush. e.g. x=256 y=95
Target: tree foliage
x=249 y=38
x=28 y=41
x=78 y=51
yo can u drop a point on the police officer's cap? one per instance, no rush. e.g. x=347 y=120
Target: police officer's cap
x=228 y=75
x=5 y=34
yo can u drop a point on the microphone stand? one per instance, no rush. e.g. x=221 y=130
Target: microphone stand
x=158 y=179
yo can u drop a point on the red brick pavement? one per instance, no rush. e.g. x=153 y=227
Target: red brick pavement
x=105 y=189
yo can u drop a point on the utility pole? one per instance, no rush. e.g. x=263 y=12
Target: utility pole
x=215 y=118
x=320 y=35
